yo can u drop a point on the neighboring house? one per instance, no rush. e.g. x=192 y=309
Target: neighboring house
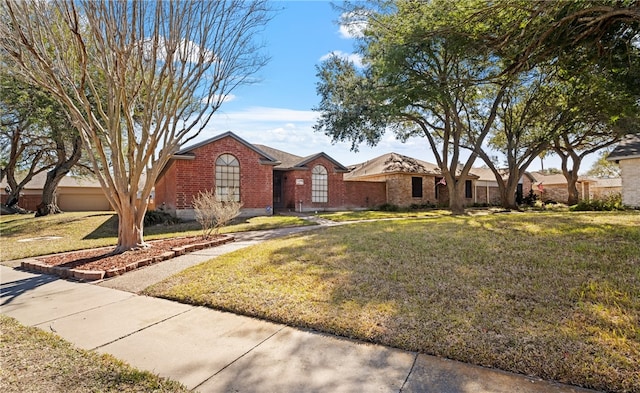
x=260 y=177
x=408 y=181
x=627 y=156
x=486 y=187
x=554 y=187
x=605 y=187
x=73 y=194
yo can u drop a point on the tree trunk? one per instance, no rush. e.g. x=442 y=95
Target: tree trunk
x=456 y=202
x=130 y=227
x=508 y=198
x=49 y=204
x=572 y=189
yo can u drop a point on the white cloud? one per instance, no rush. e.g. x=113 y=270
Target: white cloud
x=268 y=114
x=227 y=98
x=292 y=131
x=353 y=24
x=355 y=58
x=182 y=51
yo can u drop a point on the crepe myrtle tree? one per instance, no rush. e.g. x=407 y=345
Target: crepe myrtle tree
x=138 y=79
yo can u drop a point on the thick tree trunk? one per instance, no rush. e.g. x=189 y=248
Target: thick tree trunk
x=456 y=202
x=508 y=198
x=130 y=228
x=49 y=204
x=508 y=191
x=572 y=190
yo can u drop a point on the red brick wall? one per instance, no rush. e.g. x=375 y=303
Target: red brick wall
x=365 y=194
x=165 y=189
x=294 y=192
x=192 y=176
x=341 y=194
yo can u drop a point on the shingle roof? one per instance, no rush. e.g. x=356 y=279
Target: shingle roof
x=287 y=160
x=291 y=161
x=392 y=163
x=629 y=147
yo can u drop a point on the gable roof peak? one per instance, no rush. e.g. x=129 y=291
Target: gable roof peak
x=188 y=150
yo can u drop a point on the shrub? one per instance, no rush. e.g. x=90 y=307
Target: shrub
x=608 y=203
x=213 y=213
x=156 y=217
x=530 y=199
x=389 y=207
x=421 y=206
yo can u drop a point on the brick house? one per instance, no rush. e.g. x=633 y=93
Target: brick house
x=260 y=177
x=486 y=186
x=605 y=187
x=554 y=188
x=627 y=156
x=409 y=181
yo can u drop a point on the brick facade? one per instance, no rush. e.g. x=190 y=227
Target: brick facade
x=560 y=193
x=193 y=170
x=296 y=190
x=630 y=169
x=183 y=179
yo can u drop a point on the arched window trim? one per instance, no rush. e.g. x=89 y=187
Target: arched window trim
x=319 y=184
x=227 y=177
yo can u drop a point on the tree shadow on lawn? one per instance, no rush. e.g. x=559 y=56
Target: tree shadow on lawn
x=110 y=229
x=513 y=313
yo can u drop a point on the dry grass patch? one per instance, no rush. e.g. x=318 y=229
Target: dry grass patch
x=361 y=215
x=84 y=230
x=40 y=362
x=555 y=295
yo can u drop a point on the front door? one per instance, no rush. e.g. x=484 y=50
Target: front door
x=278 y=202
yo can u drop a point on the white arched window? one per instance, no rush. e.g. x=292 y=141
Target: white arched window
x=319 y=184
x=227 y=178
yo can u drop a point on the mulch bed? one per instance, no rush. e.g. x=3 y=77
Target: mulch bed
x=96 y=264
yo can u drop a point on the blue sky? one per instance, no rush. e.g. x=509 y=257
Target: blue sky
x=277 y=110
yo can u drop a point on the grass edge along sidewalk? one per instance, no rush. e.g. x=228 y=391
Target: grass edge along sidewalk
x=40 y=362
x=553 y=295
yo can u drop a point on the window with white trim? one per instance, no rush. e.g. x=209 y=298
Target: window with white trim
x=319 y=184
x=227 y=178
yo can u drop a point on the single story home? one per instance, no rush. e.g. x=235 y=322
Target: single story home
x=627 y=156
x=602 y=188
x=553 y=187
x=260 y=177
x=409 y=181
x=486 y=186
x=73 y=194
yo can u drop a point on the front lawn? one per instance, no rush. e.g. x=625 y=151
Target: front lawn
x=363 y=215
x=27 y=236
x=556 y=295
x=39 y=362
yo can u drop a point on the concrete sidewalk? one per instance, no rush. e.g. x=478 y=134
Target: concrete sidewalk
x=212 y=351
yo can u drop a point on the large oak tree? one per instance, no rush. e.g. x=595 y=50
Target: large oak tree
x=426 y=73
x=138 y=79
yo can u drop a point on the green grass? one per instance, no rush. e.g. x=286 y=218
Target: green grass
x=83 y=230
x=556 y=295
x=41 y=362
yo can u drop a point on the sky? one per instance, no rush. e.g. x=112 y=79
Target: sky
x=277 y=110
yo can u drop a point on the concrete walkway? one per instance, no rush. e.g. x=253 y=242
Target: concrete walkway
x=212 y=351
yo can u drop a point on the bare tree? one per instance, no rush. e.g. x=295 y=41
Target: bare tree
x=138 y=79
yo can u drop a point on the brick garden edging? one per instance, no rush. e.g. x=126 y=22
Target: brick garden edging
x=36 y=266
